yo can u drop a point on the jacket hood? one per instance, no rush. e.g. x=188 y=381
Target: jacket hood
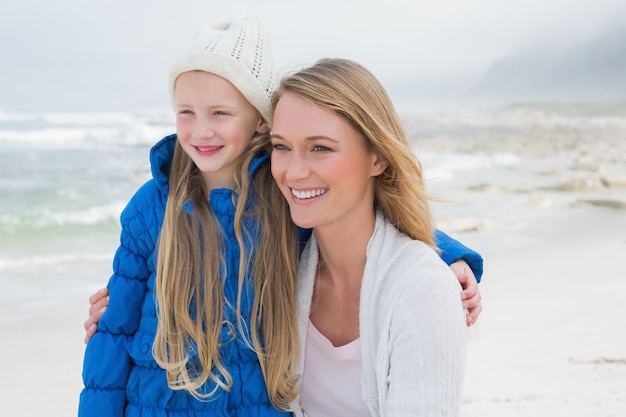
x=161 y=156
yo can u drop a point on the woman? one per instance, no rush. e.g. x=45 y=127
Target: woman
x=380 y=323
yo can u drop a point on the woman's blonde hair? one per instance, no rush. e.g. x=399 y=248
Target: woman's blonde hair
x=354 y=94
x=190 y=275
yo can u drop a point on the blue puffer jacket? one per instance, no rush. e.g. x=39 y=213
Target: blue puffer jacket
x=120 y=375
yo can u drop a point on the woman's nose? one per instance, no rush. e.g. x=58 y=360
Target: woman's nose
x=297 y=167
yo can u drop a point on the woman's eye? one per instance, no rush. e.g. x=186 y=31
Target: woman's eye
x=278 y=147
x=320 y=148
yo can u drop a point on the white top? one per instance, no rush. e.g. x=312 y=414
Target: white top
x=331 y=380
x=412 y=326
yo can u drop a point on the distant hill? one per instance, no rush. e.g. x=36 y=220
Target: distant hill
x=595 y=70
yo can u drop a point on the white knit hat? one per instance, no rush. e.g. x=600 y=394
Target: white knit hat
x=238 y=50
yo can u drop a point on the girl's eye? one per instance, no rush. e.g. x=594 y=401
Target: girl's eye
x=185 y=112
x=320 y=148
x=220 y=113
x=278 y=147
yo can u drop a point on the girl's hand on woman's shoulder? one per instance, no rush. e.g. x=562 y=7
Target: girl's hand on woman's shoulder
x=470 y=296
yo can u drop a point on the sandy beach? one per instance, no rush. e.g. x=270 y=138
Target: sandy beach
x=552 y=338
x=548 y=213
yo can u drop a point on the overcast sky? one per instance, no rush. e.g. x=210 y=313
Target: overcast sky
x=114 y=55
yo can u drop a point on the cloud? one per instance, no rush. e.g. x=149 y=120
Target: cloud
x=115 y=55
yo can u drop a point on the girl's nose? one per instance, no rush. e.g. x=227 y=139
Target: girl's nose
x=204 y=129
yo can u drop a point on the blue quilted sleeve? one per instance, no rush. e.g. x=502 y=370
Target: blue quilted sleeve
x=107 y=362
x=452 y=250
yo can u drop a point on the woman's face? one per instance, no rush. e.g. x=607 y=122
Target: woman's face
x=321 y=164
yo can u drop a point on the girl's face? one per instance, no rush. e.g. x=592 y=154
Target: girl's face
x=214 y=124
x=321 y=164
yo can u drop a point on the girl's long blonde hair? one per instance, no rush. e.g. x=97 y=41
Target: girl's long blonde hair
x=190 y=276
x=354 y=94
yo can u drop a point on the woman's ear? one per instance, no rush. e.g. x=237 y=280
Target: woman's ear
x=379 y=166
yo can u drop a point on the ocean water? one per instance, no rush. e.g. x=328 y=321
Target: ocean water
x=64 y=179
x=504 y=168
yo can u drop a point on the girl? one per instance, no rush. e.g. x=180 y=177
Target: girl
x=207 y=356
